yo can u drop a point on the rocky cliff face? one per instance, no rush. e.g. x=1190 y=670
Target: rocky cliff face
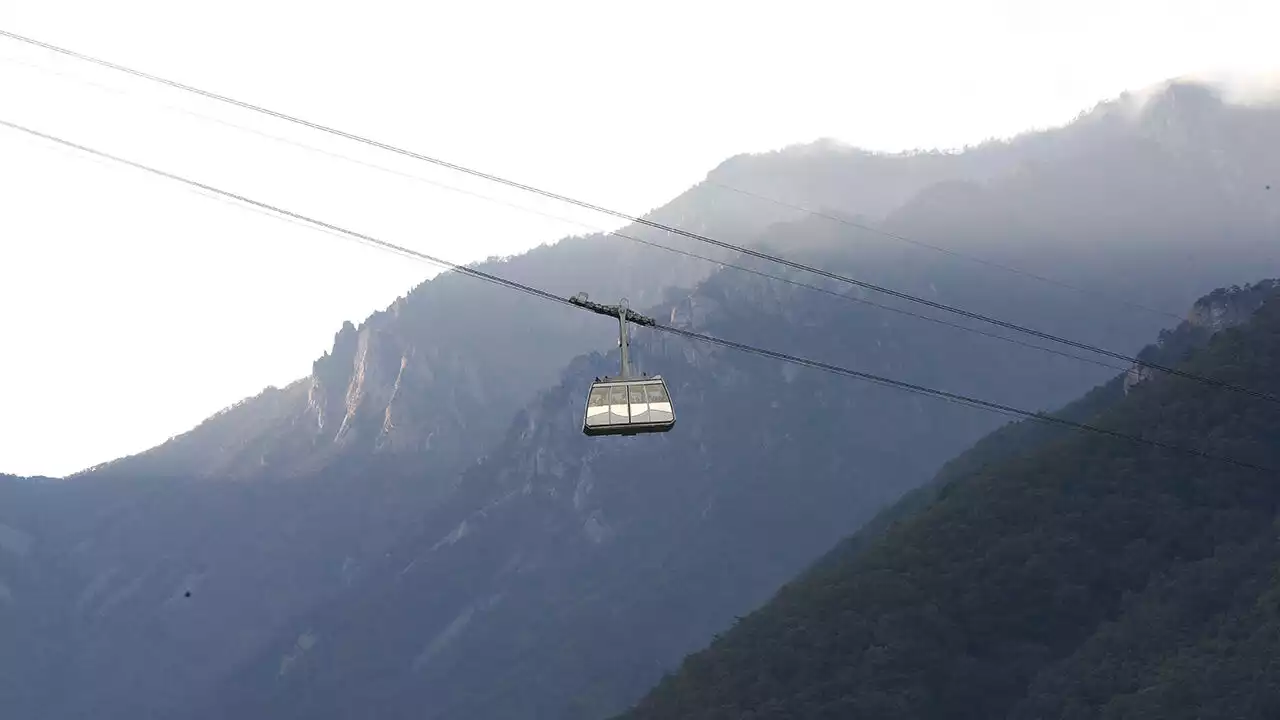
x=442 y=369
x=1230 y=307
x=1222 y=309
x=513 y=595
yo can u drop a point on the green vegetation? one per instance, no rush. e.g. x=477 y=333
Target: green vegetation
x=1088 y=577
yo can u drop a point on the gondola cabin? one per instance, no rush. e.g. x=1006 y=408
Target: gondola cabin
x=628 y=407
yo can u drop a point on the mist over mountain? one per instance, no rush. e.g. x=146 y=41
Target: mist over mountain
x=418 y=528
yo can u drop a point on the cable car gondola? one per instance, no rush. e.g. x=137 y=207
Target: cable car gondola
x=616 y=406
x=626 y=404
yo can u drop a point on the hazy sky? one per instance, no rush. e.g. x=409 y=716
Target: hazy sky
x=132 y=308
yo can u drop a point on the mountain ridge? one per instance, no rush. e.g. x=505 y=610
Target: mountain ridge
x=823 y=174
x=294 y=550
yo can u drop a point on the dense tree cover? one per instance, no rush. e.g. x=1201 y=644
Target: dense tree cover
x=1093 y=577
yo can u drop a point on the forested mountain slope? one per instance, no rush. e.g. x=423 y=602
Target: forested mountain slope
x=1089 y=577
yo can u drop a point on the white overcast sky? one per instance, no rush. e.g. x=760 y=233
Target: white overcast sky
x=130 y=308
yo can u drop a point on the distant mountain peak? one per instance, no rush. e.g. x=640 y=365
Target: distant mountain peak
x=1186 y=98
x=1229 y=307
